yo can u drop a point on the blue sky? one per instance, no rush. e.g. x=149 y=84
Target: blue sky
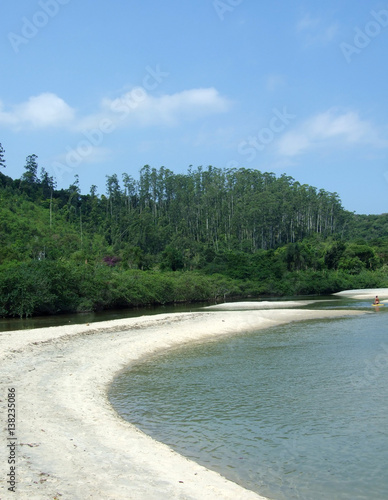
x=296 y=87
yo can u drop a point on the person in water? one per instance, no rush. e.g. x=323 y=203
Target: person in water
x=377 y=300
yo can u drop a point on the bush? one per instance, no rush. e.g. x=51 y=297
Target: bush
x=36 y=287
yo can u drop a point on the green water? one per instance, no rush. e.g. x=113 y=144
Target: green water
x=12 y=324
x=293 y=412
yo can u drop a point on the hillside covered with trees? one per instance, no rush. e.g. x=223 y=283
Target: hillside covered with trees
x=166 y=237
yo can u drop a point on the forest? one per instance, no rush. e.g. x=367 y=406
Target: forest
x=207 y=234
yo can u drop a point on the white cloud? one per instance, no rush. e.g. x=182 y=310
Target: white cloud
x=134 y=108
x=44 y=110
x=138 y=108
x=330 y=129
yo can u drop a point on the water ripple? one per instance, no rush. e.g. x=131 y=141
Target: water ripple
x=298 y=411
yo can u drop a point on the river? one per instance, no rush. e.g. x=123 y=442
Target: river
x=292 y=412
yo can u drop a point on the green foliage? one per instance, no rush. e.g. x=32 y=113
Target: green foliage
x=47 y=287
x=30 y=176
x=334 y=254
x=36 y=287
x=366 y=227
x=213 y=233
x=2 y=159
x=172 y=259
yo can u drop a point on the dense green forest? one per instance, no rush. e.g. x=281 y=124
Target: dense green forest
x=164 y=237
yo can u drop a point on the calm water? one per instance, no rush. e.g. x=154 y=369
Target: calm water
x=294 y=412
x=10 y=324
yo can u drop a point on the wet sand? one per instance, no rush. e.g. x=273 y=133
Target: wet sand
x=71 y=444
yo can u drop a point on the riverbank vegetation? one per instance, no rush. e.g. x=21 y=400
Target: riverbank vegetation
x=165 y=237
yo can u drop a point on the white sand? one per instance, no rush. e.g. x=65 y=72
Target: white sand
x=262 y=304
x=71 y=443
x=364 y=293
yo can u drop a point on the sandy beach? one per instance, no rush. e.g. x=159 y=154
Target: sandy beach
x=71 y=444
x=362 y=294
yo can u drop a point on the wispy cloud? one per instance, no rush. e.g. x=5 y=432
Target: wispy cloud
x=307 y=23
x=331 y=128
x=316 y=31
x=138 y=108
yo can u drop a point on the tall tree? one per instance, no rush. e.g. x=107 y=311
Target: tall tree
x=113 y=191
x=130 y=191
x=2 y=159
x=74 y=199
x=47 y=182
x=31 y=167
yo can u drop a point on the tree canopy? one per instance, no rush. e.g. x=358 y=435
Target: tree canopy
x=238 y=231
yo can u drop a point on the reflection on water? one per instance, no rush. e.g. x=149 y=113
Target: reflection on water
x=7 y=324
x=92 y=317
x=294 y=412
x=10 y=324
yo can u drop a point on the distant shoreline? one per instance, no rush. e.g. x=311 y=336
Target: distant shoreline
x=362 y=294
x=71 y=442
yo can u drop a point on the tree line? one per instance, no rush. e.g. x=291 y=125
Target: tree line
x=238 y=231
x=235 y=209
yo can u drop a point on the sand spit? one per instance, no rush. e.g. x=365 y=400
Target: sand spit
x=71 y=444
x=365 y=293
x=262 y=304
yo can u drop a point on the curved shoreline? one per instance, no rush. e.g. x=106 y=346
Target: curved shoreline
x=72 y=443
